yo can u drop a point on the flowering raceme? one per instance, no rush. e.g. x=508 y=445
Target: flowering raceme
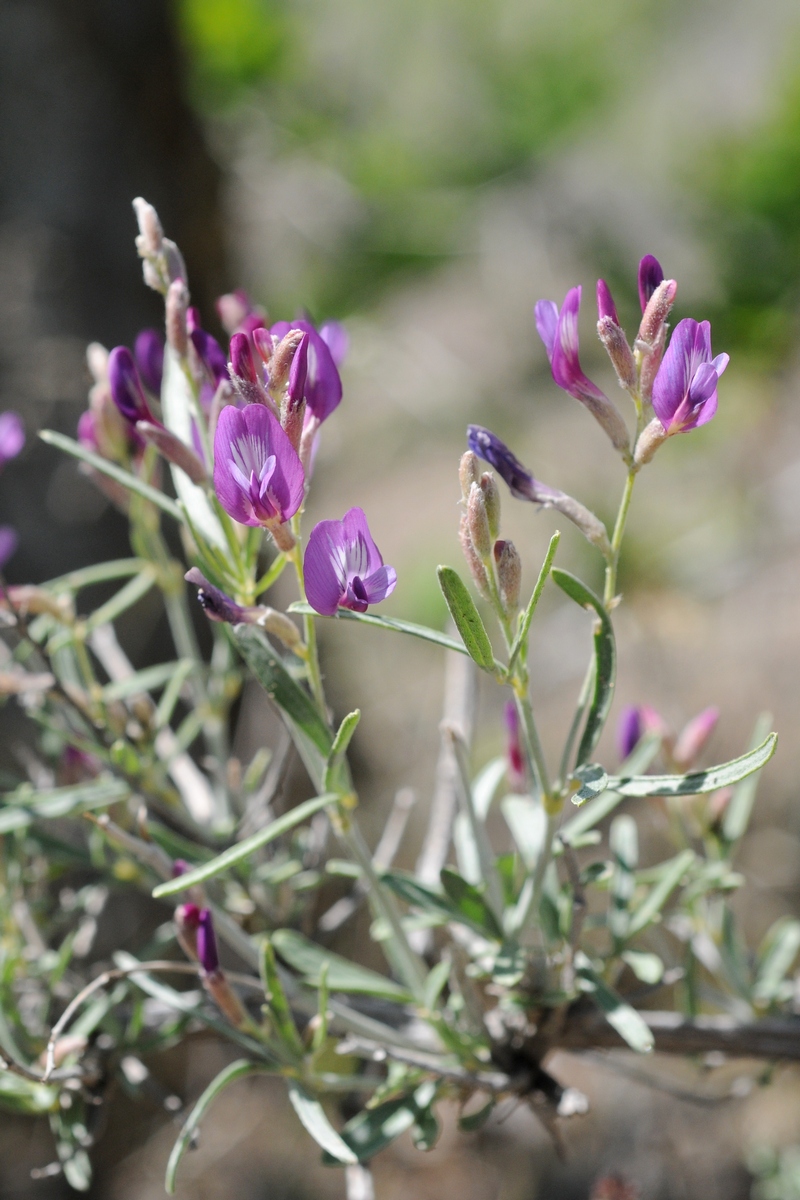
x=343 y=566
x=258 y=477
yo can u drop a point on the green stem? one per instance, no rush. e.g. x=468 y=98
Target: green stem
x=616 y=539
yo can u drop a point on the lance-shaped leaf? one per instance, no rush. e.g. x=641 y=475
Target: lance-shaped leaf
x=466 y=618
x=737 y=812
x=24 y=806
x=242 y=850
x=525 y=621
x=425 y=898
x=311 y=735
x=279 y=1008
x=671 y=874
x=624 y=843
x=776 y=955
x=697 y=782
x=375 y=1128
x=342 y=975
x=629 y=1024
x=378 y=622
x=235 y=1070
x=312 y=1115
x=470 y=903
x=605 y=661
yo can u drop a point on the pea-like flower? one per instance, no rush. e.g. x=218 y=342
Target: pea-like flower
x=126 y=386
x=258 y=476
x=685 y=388
x=343 y=566
x=323 y=388
x=558 y=329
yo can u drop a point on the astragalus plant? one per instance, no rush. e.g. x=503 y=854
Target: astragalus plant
x=496 y=952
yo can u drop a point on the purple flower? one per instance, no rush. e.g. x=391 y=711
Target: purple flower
x=323 y=385
x=12 y=436
x=207 y=943
x=257 y=475
x=126 y=386
x=685 y=388
x=343 y=566
x=148 y=351
x=629 y=730
x=521 y=483
x=558 y=329
x=8 y=543
x=650 y=276
x=336 y=338
x=605 y=302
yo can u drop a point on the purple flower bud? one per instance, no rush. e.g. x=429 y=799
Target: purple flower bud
x=629 y=730
x=558 y=329
x=126 y=386
x=685 y=388
x=323 y=385
x=263 y=344
x=650 y=276
x=298 y=374
x=515 y=760
x=9 y=540
x=180 y=867
x=207 y=943
x=207 y=348
x=258 y=476
x=148 y=351
x=343 y=566
x=337 y=339
x=605 y=302
x=693 y=737
x=12 y=436
x=214 y=602
x=242 y=364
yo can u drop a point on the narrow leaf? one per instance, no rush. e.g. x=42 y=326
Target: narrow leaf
x=736 y=817
x=118 y=568
x=147 y=680
x=24 y=806
x=647 y=967
x=698 y=781
x=629 y=1024
x=466 y=617
x=391 y=623
x=375 y=1128
x=342 y=975
x=776 y=955
x=112 y=470
x=338 y=751
x=121 y=601
x=435 y=982
x=236 y=854
x=527 y=821
x=235 y=1070
x=605 y=661
x=280 y=1010
x=312 y=1115
x=525 y=624
x=659 y=894
x=470 y=903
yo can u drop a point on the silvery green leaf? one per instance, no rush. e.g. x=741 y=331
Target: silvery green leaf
x=105 y=467
x=176 y=407
x=672 y=872
x=776 y=956
x=593 y=780
x=312 y=1115
x=343 y=976
x=697 y=782
x=629 y=1024
x=647 y=967
x=527 y=821
x=736 y=817
x=390 y=623
x=466 y=617
x=24 y=806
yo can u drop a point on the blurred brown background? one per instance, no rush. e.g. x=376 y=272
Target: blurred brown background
x=425 y=171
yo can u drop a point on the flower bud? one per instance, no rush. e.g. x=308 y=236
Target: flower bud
x=476 y=568
x=173 y=449
x=606 y=308
x=469 y=472
x=650 y=439
x=693 y=737
x=177 y=306
x=174 y=265
x=207 y=943
x=629 y=731
x=264 y=344
x=213 y=977
x=478 y=521
x=241 y=362
x=151 y=235
x=509 y=575
x=618 y=351
x=650 y=276
x=126 y=386
x=656 y=312
x=294 y=403
x=187 y=922
x=282 y=357
x=491 y=497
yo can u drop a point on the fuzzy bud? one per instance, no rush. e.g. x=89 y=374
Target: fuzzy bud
x=618 y=351
x=469 y=472
x=478 y=521
x=651 y=437
x=509 y=575
x=173 y=449
x=656 y=312
x=476 y=568
x=606 y=308
x=491 y=497
x=151 y=235
x=177 y=306
x=282 y=357
x=294 y=403
x=187 y=921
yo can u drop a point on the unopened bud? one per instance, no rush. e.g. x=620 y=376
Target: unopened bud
x=97 y=362
x=491 y=496
x=657 y=311
x=469 y=472
x=651 y=437
x=177 y=306
x=282 y=357
x=173 y=261
x=241 y=363
x=151 y=235
x=606 y=308
x=476 y=568
x=651 y=361
x=651 y=274
x=293 y=406
x=187 y=922
x=278 y=624
x=478 y=521
x=509 y=575
x=618 y=351
x=693 y=737
x=264 y=344
x=173 y=449
x=207 y=951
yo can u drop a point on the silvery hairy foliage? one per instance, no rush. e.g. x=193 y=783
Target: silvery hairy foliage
x=496 y=954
